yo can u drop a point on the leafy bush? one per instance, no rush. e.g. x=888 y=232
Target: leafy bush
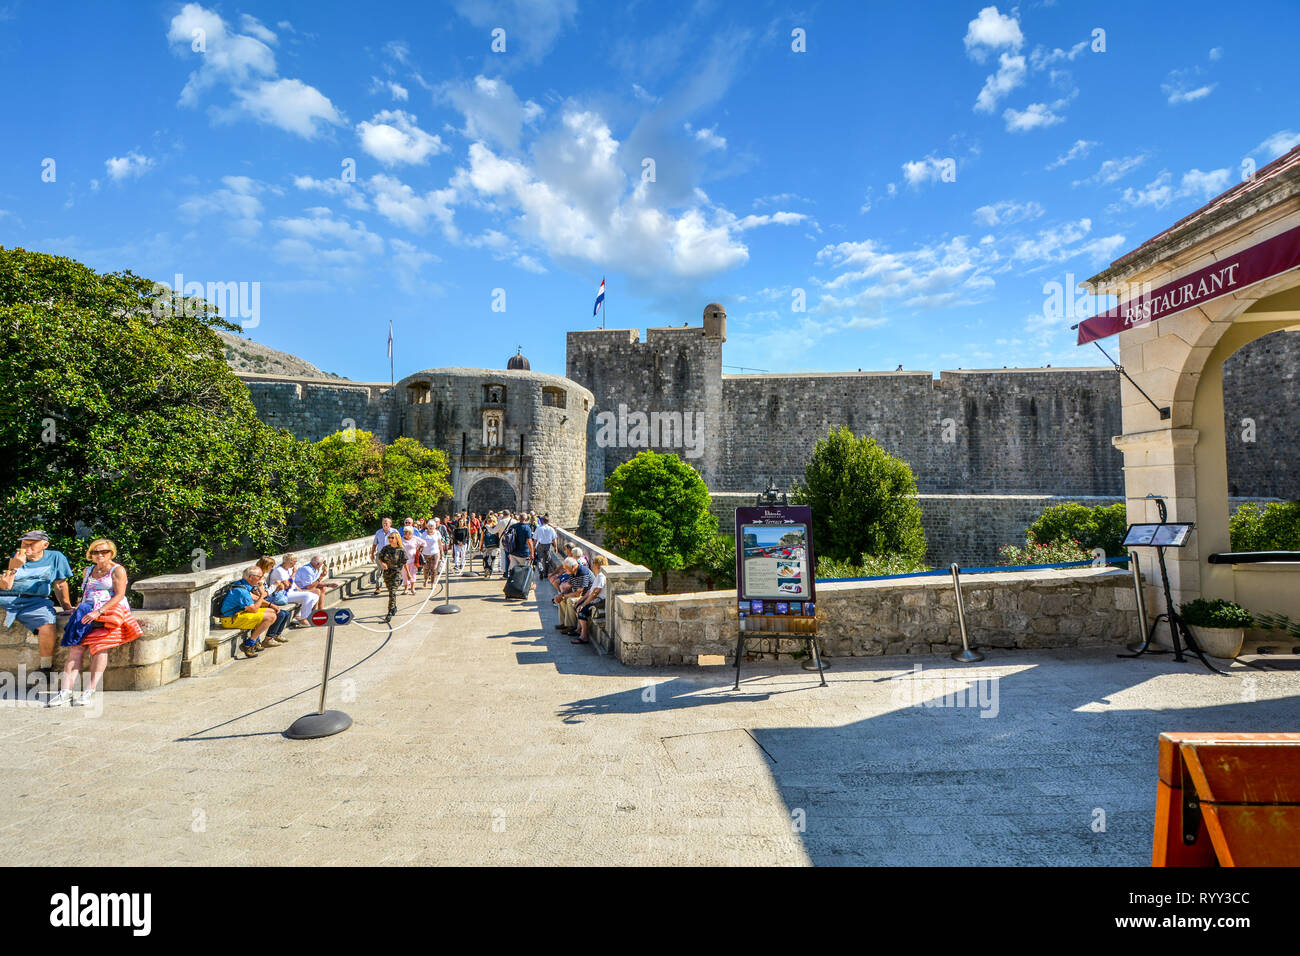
x=868 y=567
x=717 y=559
x=658 y=513
x=1058 y=552
x=1215 y=613
x=1099 y=526
x=863 y=499
x=1275 y=527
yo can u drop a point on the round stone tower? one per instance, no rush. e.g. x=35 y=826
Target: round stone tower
x=514 y=438
x=715 y=321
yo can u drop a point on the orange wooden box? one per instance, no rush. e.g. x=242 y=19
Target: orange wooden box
x=1228 y=799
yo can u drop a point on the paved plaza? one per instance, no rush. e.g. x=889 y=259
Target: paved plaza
x=486 y=737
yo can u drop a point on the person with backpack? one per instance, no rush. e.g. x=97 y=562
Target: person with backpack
x=517 y=542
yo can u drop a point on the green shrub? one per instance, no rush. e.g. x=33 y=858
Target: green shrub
x=1058 y=552
x=717 y=559
x=1275 y=527
x=868 y=567
x=1099 y=526
x=1215 y=613
x=863 y=499
x=658 y=513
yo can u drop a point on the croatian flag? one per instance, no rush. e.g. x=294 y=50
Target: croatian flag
x=390 y=338
x=600 y=297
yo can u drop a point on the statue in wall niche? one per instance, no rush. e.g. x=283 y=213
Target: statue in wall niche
x=492 y=433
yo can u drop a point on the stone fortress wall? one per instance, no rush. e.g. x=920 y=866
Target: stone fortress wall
x=990 y=448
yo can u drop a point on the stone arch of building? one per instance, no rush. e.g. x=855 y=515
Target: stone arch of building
x=492 y=493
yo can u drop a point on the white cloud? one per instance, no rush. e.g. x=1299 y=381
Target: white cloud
x=575 y=202
x=1181 y=87
x=1216 y=53
x=532 y=26
x=493 y=112
x=392 y=137
x=319 y=240
x=1007 y=211
x=396 y=90
x=991 y=31
x=917 y=172
x=1010 y=74
x=348 y=191
x=254 y=27
x=403 y=206
x=291 y=105
x=709 y=137
x=1034 y=116
x=237 y=204
x=131 y=166
x=1065 y=241
x=776 y=218
x=1194 y=184
x=1113 y=170
x=1283 y=141
x=1079 y=150
x=1040 y=58
x=246 y=64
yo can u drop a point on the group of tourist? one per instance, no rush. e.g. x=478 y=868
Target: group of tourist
x=263 y=609
x=579 y=592
x=100 y=622
x=270 y=597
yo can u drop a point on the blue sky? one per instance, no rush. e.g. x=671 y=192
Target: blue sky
x=912 y=178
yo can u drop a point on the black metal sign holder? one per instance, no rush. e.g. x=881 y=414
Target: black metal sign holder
x=1177 y=626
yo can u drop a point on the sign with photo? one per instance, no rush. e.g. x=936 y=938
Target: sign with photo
x=775 y=561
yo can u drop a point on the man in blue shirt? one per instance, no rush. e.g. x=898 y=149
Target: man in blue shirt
x=34 y=571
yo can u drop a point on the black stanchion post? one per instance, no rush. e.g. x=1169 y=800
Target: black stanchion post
x=323 y=723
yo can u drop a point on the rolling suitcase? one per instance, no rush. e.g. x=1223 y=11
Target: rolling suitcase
x=519 y=581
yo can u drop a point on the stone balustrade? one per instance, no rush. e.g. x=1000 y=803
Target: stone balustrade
x=176 y=618
x=1068 y=607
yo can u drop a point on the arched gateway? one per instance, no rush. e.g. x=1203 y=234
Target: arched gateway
x=492 y=494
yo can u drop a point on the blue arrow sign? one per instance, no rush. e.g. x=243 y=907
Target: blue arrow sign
x=342 y=616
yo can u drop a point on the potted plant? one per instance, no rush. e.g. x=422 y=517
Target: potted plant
x=1219 y=626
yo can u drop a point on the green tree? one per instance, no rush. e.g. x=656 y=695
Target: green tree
x=717 y=559
x=863 y=500
x=658 y=513
x=1101 y=526
x=122 y=419
x=362 y=479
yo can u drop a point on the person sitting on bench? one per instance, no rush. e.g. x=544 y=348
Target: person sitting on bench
x=587 y=604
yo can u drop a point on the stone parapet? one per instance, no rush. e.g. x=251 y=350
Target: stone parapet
x=1072 y=607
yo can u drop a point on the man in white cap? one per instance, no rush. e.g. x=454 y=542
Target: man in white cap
x=34 y=571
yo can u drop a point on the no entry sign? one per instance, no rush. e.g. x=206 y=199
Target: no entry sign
x=320 y=618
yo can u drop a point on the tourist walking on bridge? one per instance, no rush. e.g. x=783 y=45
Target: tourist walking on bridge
x=380 y=542
x=391 y=558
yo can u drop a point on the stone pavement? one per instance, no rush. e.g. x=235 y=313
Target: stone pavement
x=486 y=737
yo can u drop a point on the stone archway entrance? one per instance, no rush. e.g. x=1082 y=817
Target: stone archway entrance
x=1214 y=282
x=491 y=494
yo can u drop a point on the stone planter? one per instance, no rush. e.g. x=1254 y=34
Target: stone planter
x=1221 y=642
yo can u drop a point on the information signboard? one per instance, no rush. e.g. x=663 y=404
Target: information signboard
x=775 y=564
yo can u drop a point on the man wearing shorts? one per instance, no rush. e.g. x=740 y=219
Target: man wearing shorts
x=241 y=611
x=34 y=571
